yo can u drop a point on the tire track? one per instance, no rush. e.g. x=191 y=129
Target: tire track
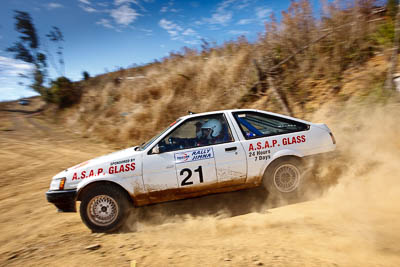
x=37 y=125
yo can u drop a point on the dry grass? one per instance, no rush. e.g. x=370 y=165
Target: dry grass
x=129 y=106
x=134 y=110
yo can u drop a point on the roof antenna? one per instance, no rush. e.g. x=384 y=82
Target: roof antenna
x=191 y=113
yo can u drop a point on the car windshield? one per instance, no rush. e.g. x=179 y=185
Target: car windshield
x=148 y=143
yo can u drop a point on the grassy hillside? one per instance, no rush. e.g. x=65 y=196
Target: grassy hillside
x=301 y=61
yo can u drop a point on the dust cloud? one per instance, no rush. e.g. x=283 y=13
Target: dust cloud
x=365 y=172
x=360 y=180
x=366 y=166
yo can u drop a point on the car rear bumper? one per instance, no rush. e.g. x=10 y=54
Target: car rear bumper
x=64 y=200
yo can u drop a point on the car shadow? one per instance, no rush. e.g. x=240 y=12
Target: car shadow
x=223 y=205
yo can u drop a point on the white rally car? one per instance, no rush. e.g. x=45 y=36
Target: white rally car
x=196 y=155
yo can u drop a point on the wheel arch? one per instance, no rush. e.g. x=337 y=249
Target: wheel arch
x=282 y=155
x=88 y=186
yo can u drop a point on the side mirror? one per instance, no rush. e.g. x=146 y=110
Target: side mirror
x=155 y=150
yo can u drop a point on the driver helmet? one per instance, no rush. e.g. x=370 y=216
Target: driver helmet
x=198 y=128
x=214 y=128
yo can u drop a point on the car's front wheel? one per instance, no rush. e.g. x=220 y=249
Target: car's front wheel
x=284 y=177
x=104 y=208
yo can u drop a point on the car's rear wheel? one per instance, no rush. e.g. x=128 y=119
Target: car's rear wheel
x=284 y=177
x=104 y=208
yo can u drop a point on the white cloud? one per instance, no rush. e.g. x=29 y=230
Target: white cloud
x=87 y=6
x=221 y=16
x=127 y=2
x=10 y=70
x=121 y=15
x=173 y=34
x=124 y=15
x=245 y=21
x=105 y=23
x=177 y=32
x=147 y=32
x=238 y=32
x=54 y=5
x=243 y=4
x=12 y=91
x=120 y=2
x=13 y=67
x=168 y=7
x=169 y=25
x=189 y=31
x=192 y=42
x=165 y=9
x=88 y=9
x=225 y=4
x=262 y=12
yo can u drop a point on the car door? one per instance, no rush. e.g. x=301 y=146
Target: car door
x=193 y=153
x=195 y=168
x=184 y=163
x=159 y=172
x=230 y=158
x=210 y=156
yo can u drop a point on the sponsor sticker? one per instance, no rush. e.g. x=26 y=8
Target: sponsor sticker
x=113 y=169
x=194 y=155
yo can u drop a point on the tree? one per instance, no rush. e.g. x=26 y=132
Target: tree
x=27 y=49
x=86 y=75
x=56 y=36
x=391 y=7
x=64 y=92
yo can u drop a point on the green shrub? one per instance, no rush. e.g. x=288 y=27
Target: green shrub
x=86 y=75
x=385 y=34
x=64 y=92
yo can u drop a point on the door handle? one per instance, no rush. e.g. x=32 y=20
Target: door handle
x=233 y=148
x=170 y=166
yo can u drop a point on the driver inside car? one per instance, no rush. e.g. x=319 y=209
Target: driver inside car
x=211 y=132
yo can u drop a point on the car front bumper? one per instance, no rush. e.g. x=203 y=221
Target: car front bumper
x=64 y=200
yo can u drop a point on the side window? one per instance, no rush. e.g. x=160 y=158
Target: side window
x=196 y=132
x=255 y=125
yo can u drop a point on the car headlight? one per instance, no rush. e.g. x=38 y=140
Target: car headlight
x=58 y=184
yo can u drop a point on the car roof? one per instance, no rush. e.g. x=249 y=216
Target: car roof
x=214 y=112
x=241 y=110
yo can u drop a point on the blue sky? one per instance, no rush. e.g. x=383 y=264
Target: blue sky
x=107 y=34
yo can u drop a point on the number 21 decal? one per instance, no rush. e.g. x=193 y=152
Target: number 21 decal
x=189 y=172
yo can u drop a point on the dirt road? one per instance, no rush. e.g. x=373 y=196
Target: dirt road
x=355 y=224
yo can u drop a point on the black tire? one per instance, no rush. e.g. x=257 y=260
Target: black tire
x=284 y=178
x=104 y=208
